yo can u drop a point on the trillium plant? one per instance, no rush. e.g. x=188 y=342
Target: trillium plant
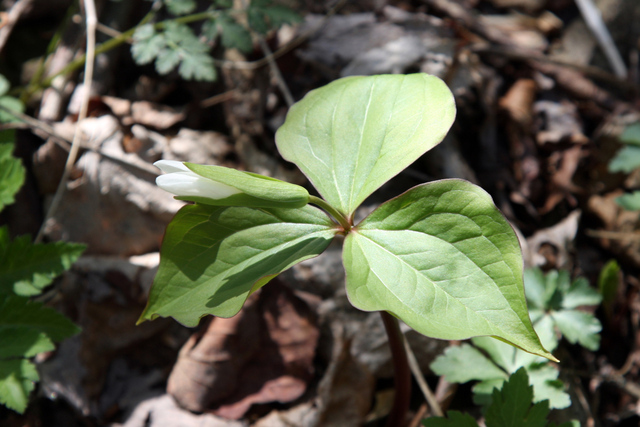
x=440 y=256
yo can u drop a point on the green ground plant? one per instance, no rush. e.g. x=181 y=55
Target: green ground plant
x=626 y=160
x=440 y=256
x=27 y=327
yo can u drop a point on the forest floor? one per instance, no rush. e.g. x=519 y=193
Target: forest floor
x=543 y=109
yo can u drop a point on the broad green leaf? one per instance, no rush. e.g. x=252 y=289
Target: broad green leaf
x=630 y=202
x=608 y=281
x=20 y=312
x=356 y=133
x=631 y=134
x=465 y=363
x=12 y=175
x=579 y=327
x=626 y=160
x=442 y=258
x=454 y=419
x=17 y=377
x=234 y=35
x=511 y=406
x=27 y=268
x=212 y=257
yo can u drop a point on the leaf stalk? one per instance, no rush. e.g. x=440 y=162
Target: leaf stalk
x=339 y=217
x=401 y=371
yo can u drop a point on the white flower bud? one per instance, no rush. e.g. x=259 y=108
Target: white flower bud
x=181 y=181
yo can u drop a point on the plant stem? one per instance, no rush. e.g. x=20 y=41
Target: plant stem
x=342 y=220
x=401 y=371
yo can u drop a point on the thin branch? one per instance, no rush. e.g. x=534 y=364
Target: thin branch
x=276 y=72
x=422 y=383
x=12 y=18
x=614 y=235
x=91 y=21
x=594 y=21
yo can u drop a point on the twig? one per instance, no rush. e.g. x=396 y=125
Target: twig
x=614 y=235
x=217 y=99
x=594 y=21
x=11 y=19
x=91 y=20
x=276 y=72
x=422 y=383
x=401 y=371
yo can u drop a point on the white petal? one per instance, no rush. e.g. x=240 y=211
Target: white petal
x=169 y=166
x=191 y=184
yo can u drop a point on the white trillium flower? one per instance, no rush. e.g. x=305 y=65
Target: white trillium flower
x=181 y=181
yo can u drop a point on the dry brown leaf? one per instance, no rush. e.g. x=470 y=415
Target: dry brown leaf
x=263 y=354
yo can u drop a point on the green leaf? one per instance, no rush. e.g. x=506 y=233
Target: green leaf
x=13 y=104
x=27 y=268
x=579 y=327
x=198 y=66
x=560 y=298
x=465 y=363
x=625 y=160
x=180 y=7
x=511 y=406
x=212 y=257
x=235 y=35
x=608 y=281
x=631 y=134
x=17 y=379
x=4 y=85
x=278 y=15
x=354 y=134
x=630 y=202
x=257 y=19
x=454 y=419
x=167 y=60
x=22 y=341
x=19 y=312
x=12 y=175
x=147 y=44
x=442 y=258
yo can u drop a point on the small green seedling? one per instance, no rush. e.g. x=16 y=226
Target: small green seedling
x=440 y=257
x=511 y=405
x=26 y=327
x=626 y=160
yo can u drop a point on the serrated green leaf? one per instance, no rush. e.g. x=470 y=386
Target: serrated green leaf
x=198 y=67
x=22 y=341
x=547 y=386
x=12 y=104
x=180 y=7
x=147 y=44
x=234 y=35
x=167 y=60
x=212 y=256
x=442 y=258
x=356 y=133
x=278 y=15
x=17 y=311
x=17 y=377
x=511 y=406
x=465 y=363
x=631 y=134
x=27 y=268
x=12 y=175
x=580 y=293
x=454 y=419
x=630 y=202
x=608 y=281
x=626 y=160
x=257 y=19
x=579 y=327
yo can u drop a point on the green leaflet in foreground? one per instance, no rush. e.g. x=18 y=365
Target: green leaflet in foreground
x=213 y=257
x=442 y=258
